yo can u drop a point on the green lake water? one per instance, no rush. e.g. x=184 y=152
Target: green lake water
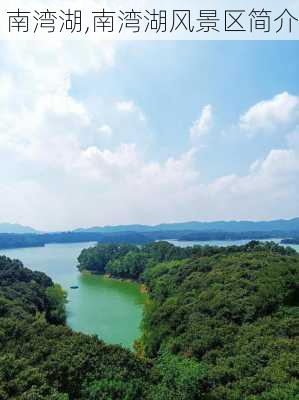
x=108 y=308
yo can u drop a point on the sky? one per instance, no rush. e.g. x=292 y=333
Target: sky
x=105 y=133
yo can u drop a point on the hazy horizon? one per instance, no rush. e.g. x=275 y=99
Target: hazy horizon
x=137 y=224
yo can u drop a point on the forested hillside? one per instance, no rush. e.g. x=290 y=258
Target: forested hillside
x=41 y=359
x=131 y=261
x=232 y=311
x=220 y=324
x=237 y=315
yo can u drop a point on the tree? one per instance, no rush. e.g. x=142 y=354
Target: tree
x=57 y=298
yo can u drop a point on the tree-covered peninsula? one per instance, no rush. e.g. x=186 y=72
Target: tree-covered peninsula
x=220 y=324
x=232 y=312
x=130 y=261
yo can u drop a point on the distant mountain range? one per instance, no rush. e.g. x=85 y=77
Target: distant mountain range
x=16 y=228
x=281 y=225
x=18 y=236
x=218 y=226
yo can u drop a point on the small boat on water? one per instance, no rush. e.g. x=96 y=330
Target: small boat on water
x=74 y=287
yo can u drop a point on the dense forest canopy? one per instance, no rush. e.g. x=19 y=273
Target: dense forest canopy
x=130 y=261
x=236 y=314
x=40 y=358
x=219 y=324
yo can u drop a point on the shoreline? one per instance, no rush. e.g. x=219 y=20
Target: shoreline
x=142 y=288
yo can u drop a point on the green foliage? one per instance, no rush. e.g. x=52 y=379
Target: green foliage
x=238 y=313
x=288 y=391
x=42 y=359
x=220 y=324
x=129 y=266
x=113 y=389
x=95 y=259
x=57 y=299
x=178 y=378
x=129 y=261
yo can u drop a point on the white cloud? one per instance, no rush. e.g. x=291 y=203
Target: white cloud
x=270 y=189
x=35 y=101
x=129 y=106
x=125 y=106
x=105 y=130
x=65 y=180
x=120 y=187
x=107 y=165
x=203 y=125
x=280 y=111
x=293 y=138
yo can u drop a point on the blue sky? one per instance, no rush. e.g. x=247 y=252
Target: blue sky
x=173 y=81
x=148 y=132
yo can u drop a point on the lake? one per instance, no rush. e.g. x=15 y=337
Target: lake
x=108 y=308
